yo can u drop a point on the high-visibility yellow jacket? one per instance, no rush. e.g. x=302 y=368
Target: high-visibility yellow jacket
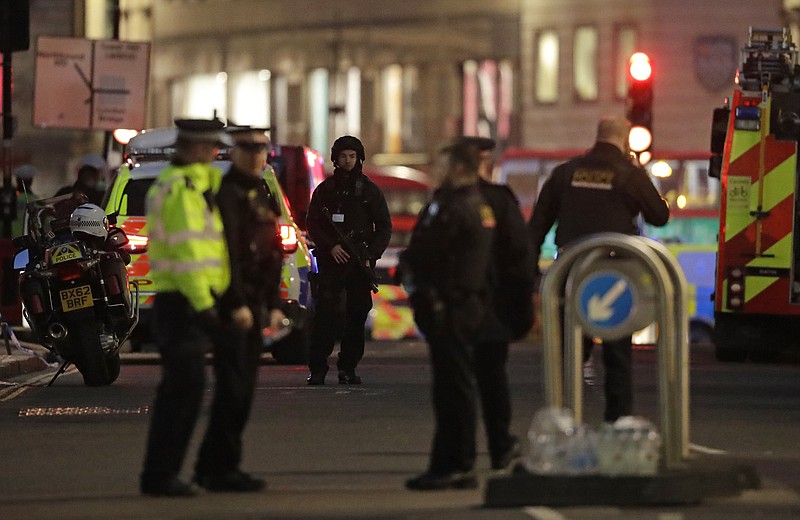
x=187 y=248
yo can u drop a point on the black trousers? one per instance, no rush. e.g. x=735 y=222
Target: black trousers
x=454 y=395
x=617 y=360
x=490 y=372
x=183 y=345
x=335 y=284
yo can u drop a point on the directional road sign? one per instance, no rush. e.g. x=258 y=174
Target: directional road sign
x=90 y=84
x=612 y=303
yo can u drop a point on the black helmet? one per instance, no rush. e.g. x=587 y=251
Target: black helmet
x=347 y=142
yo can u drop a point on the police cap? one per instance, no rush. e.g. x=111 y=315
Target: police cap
x=347 y=142
x=249 y=138
x=202 y=131
x=483 y=144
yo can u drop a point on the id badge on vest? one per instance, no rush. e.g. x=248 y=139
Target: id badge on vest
x=338 y=218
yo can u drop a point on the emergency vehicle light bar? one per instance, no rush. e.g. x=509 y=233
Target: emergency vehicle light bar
x=747 y=118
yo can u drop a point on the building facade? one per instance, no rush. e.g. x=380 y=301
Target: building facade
x=693 y=46
x=406 y=77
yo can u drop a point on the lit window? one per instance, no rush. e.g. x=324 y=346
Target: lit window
x=204 y=94
x=585 y=63
x=393 y=108
x=250 y=99
x=547 y=67
x=318 y=108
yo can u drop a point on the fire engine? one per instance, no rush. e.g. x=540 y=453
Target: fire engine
x=754 y=143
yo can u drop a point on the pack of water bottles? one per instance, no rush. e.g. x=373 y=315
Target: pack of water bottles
x=558 y=446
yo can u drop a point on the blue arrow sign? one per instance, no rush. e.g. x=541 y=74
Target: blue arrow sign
x=606 y=299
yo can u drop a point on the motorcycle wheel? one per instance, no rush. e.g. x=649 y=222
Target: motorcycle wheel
x=113 y=365
x=90 y=359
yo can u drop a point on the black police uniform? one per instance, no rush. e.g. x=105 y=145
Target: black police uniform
x=444 y=269
x=511 y=284
x=601 y=191
x=249 y=216
x=357 y=206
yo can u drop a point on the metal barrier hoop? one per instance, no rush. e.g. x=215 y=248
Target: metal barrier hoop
x=672 y=344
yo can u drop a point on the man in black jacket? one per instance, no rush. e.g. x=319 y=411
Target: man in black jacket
x=249 y=214
x=602 y=191
x=356 y=206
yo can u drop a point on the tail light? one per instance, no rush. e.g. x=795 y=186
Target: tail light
x=70 y=271
x=36 y=304
x=289 y=240
x=137 y=244
x=735 y=282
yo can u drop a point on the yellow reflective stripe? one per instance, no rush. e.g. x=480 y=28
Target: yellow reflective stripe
x=184 y=236
x=778 y=184
x=184 y=266
x=743 y=140
x=755 y=285
x=782 y=251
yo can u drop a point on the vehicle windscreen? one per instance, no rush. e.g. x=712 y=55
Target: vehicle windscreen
x=136 y=191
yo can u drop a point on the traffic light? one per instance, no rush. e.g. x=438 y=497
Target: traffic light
x=639 y=106
x=14 y=25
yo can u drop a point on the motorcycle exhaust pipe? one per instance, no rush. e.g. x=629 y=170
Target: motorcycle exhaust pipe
x=57 y=331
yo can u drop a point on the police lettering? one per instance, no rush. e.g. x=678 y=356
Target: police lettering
x=592 y=179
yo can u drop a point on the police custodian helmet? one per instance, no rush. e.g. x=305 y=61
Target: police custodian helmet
x=347 y=142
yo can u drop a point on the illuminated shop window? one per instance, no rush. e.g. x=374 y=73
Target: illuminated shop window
x=318 y=108
x=250 y=98
x=547 y=67
x=584 y=63
x=393 y=109
x=488 y=92
x=201 y=96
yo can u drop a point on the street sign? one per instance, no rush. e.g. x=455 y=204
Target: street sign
x=614 y=299
x=90 y=84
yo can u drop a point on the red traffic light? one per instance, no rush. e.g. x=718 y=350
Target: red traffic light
x=640 y=68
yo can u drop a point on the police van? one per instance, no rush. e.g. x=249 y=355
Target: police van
x=145 y=156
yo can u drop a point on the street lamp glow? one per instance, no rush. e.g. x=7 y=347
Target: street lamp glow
x=123 y=135
x=661 y=169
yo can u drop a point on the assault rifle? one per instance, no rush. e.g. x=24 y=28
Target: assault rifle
x=356 y=253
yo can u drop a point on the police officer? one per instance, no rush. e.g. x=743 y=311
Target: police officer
x=602 y=191
x=445 y=270
x=24 y=174
x=357 y=207
x=91 y=172
x=189 y=263
x=511 y=281
x=249 y=217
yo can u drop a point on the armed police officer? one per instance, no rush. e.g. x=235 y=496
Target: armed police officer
x=349 y=223
x=512 y=283
x=445 y=270
x=189 y=262
x=604 y=190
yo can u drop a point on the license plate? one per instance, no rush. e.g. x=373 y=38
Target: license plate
x=76 y=298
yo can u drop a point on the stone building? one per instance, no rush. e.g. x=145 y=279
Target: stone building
x=406 y=76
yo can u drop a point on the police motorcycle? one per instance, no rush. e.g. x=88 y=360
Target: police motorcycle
x=74 y=285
